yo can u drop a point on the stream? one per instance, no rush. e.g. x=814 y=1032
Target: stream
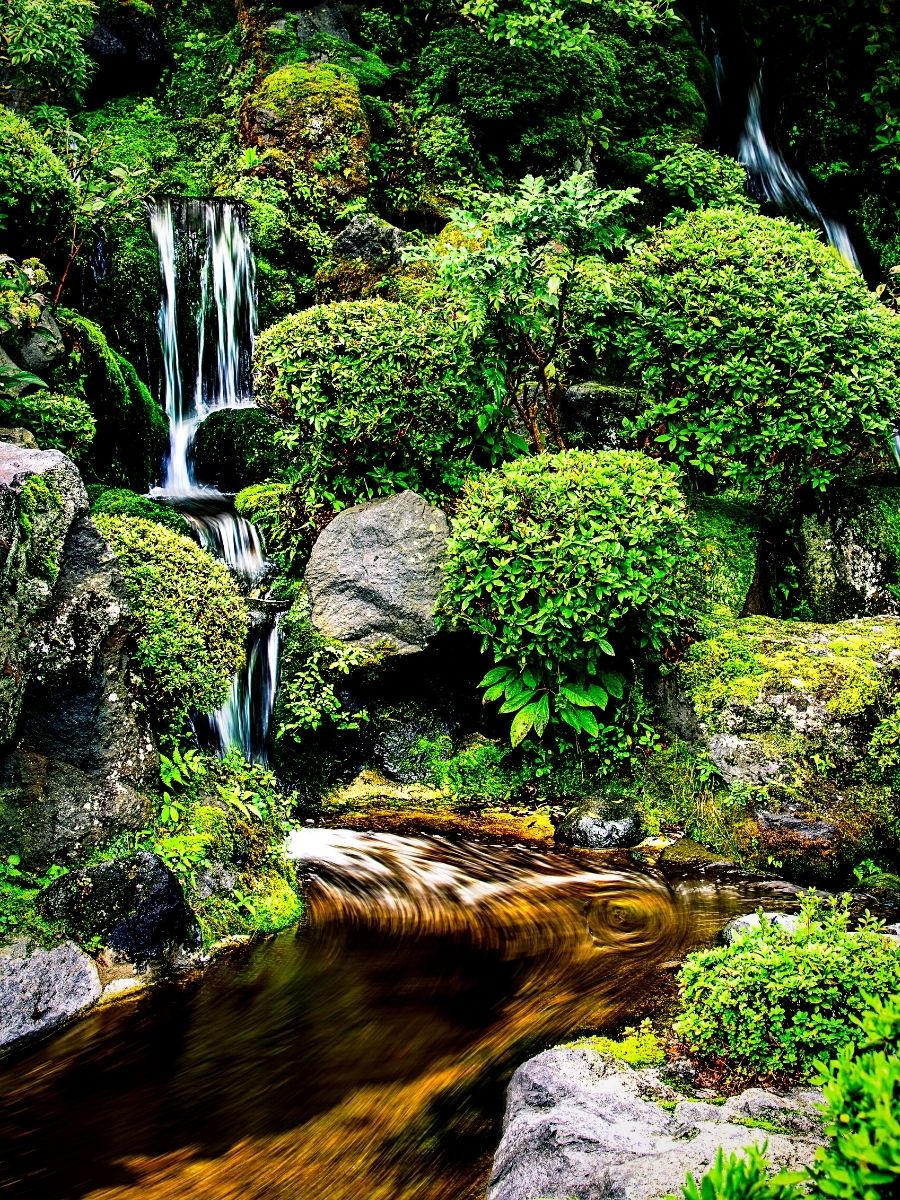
x=365 y=1055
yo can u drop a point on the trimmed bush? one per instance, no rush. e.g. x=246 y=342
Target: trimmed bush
x=774 y=1002
x=188 y=619
x=119 y=502
x=763 y=358
x=559 y=563
x=58 y=422
x=374 y=397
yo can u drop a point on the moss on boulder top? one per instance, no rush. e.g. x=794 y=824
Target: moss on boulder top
x=311 y=118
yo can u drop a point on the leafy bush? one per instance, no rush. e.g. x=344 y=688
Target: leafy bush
x=374 y=397
x=187 y=616
x=690 y=177
x=558 y=563
x=37 y=197
x=763 y=358
x=119 y=502
x=42 y=52
x=862 y=1112
x=775 y=1001
x=744 y=1176
x=59 y=422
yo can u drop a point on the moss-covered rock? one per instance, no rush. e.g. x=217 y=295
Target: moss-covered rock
x=781 y=718
x=721 y=572
x=313 y=117
x=235 y=448
x=849 y=554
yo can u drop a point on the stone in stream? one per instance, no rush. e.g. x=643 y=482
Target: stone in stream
x=591 y=828
x=134 y=905
x=580 y=1124
x=42 y=989
x=375 y=573
x=741 y=926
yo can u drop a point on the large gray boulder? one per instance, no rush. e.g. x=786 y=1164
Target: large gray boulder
x=40 y=990
x=75 y=759
x=375 y=574
x=581 y=1126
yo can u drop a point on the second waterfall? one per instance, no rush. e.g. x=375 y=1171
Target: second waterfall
x=207 y=324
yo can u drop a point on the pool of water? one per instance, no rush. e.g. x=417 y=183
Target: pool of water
x=365 y=1055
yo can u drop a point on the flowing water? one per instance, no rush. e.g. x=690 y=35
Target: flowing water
x=365 y=1056
x=207 y=323
x=780 y=184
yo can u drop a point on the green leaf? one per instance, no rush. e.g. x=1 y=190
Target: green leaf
x=522 y=724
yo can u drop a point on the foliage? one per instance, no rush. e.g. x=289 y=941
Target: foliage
x=373 y=398
x=762 y=356
x=18 y=889
x=548 y=24
x=775 y=1001
x=690 y=177
x=313 y=671
x=558 y=563
x=235 y=449
x=58 y=421
x=861 y=1160
x=43 y=57
x=745 y=1176
x=119 y=502
x=37 y=196
x=511 y=273
x=187 y=617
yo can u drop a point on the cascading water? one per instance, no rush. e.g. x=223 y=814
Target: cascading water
x=207 y=323
x=777 y=182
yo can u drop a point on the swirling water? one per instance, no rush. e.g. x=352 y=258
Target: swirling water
x=364 y=1056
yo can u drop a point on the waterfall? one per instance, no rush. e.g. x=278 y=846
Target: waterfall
x=207 y=325
x=777 y=182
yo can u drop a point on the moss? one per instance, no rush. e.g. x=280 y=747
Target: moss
x=313 y=115
x=39 y=502
x=119 y=502
x=843 y=667
x=638 y=1047
x=58 y=421
x=720 y=573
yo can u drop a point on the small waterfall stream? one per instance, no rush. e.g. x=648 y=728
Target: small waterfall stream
x=207 y=324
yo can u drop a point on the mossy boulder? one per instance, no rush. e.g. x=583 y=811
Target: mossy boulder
x=236 y=448
x=312 y=117
x=720 y=574
x=785 y=716
x=849 y=554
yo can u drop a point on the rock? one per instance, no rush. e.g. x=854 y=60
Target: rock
x=44 y=347
x=319 y=18
x=20 y=437
x=374 y=574
x=134 y=905
x=311 y=118
x=849 y=554
x=371 y=241
x=597 y=411
x=594 y=829
x=399 y=731
x=40 y=990
x=129 y=50
x=741 y=926
x=744 y=760
x=579 y=1124
x=74 y=758
x=788 y=827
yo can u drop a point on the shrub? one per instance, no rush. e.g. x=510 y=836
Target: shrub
x=690 y=177
x=558 y=563
x=119 y=502
x=744 y=1176
x=37 y=197
x=763 y=358
x=42 y=54
x=776 y=1001
x=188 y=618
x=374 y=397
x=59 y=422
x=862 y=1112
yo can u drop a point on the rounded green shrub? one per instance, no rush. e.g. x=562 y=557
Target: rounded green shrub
x=37 y=196
x=58 y=421
x=762 y=357
x=690 y=177
x=374 y=397
x=119 y=502
x=776 y=1001
x=558 y=563
x=188 y=619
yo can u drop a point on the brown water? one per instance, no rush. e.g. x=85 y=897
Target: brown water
x=365 y=1056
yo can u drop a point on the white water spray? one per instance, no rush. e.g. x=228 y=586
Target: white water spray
x=779 y=183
